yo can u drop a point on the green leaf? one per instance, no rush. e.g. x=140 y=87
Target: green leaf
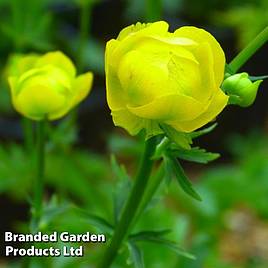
x=136 y=255
x=181 y=139
x=119 y=170
x=149 y=235
x=161 y=148
x=182 y=179
x=97 y=221
x=63 y=135
x=195 y=155
x=202 y=132
x=122 y=187
x=168 y=170
x=124 y=145
x=52 y=210
x=158 y=237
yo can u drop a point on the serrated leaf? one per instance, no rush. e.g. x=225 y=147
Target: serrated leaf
x=255 y=78
x=202 y=132
x=51 y=211
x=149 y=235
x=181 y=139
x=136 y=255
x=173 y=246
x=97 y=221
x=118 y=170
x=158 y=237
x=182 y=179
x=195 y=155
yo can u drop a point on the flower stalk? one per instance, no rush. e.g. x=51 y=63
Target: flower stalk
x=153 y=10
x=40 y=168
x=132 y=204
x=85 y=17
x=27 y=126
x=249 y=50
x=151 y=189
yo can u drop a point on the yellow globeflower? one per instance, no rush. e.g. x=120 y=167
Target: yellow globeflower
x=46 y=86
x=155 y=77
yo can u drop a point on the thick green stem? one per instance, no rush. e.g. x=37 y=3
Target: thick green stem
x=249 y=50
x=27 y=126
x=40 y=166
x=133 y=202
x=153 y=10
x=151 y=189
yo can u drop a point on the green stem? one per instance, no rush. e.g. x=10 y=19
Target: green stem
x=84 y=28
x=40 y=167
x=151 y=189
x=133 y=202
x=27 y=126
x=249 y=50
x=85 y=17
x=153 y=10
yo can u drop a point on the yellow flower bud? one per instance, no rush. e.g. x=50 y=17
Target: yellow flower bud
x=18 y=63
x=46 y=86
x=155 y=77
x=241 y=89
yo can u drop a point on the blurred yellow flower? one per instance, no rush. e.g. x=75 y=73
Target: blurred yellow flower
x=155 y=77
x=46 y=86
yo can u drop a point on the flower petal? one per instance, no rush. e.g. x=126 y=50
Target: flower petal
x=202 y=36
x=184 y=76
x=130 y=122
x=19 y=63
x=114 y=91
x=133 y=124
x=82 y=86
x=59 y=60
x=169 y=107
x=143 y=77
x=39 y=101
x=158 y=27
x=217 y=104
x=12 y=81
x=204 y=56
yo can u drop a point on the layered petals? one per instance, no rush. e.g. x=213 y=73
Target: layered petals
x=57 y=59
x=46 y=86
x=216 y=105
x=155 y=77
x=169 y=107
x=201 y=36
